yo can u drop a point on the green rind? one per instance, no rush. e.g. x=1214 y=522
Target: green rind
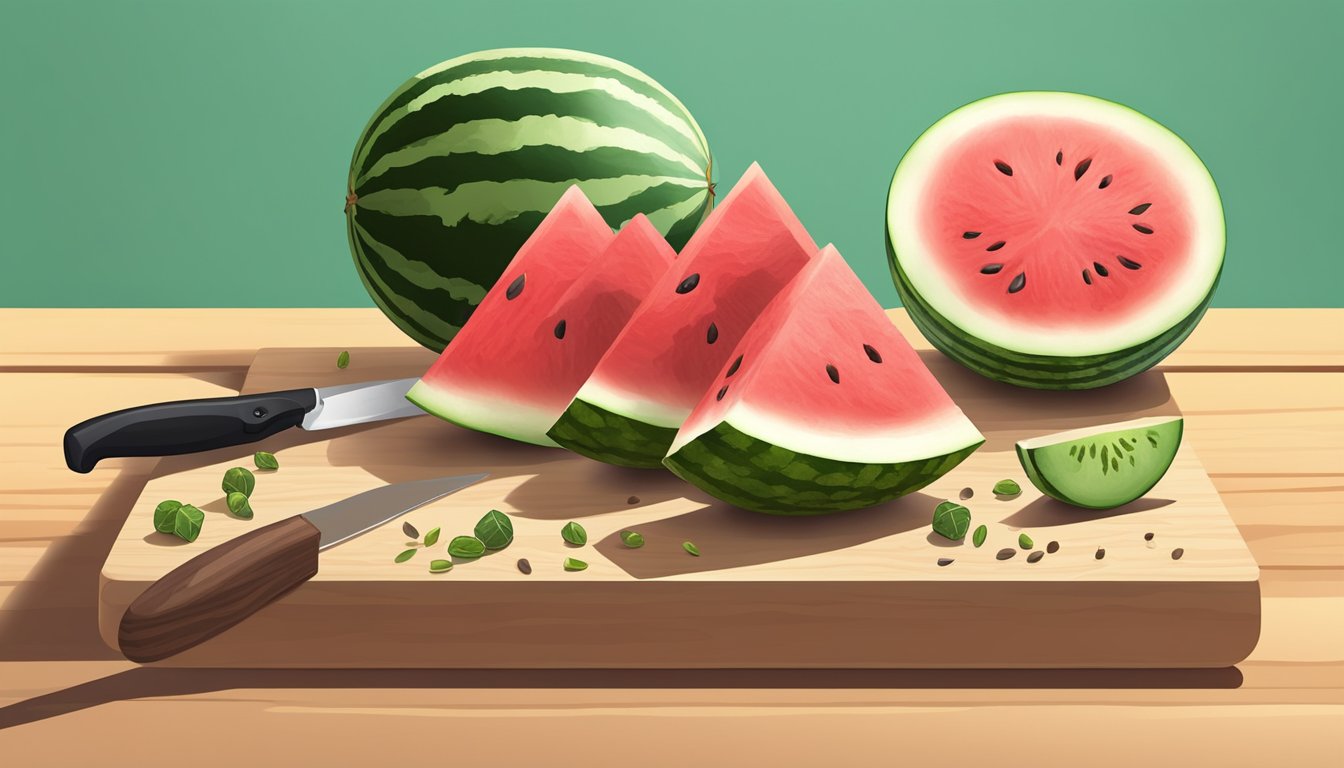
x=753 y=474
x=597 y=433
x=1040 y=479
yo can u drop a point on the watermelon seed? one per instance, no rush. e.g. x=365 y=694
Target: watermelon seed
x=712 y=335
x=1105 y=182
x=969 y=235
x=688 y=285
x=1128 y=263
x=1143 y=229
x=1101 y=270
x=733 y=368
x=722 y=392
x=1139 y=209
x=833 y=372
x=991 y=269
x=1004 y=168
x=516 y=287
x=560 y=330
x=1018 y=283
x=872 y=353
x=1059 y=157
x=996 y=246
x=1087 y=276
x=1081 y=168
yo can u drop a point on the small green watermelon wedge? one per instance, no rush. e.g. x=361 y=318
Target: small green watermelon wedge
x=1102 y=467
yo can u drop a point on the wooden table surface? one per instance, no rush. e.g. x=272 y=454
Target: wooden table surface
x=1263 y=396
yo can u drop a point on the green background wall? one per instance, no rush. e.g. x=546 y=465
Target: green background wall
x=194 y=153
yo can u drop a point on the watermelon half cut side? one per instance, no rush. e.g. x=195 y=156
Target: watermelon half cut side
x=540 y=330
x=629 y=410
x=1054 y=240
x=823 y=406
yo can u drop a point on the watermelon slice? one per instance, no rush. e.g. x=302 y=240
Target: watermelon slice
x=629 y=410
x=538 y=333
x=1054 y=240
x=823 y=406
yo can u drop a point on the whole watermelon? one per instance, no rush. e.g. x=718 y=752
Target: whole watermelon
x=461 y=163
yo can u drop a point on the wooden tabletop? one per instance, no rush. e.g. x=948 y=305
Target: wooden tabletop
x=1263 y=396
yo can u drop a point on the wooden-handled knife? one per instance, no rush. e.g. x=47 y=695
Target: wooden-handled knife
x=224 y=585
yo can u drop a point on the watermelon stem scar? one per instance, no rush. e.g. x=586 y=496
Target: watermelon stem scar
x=350 y=199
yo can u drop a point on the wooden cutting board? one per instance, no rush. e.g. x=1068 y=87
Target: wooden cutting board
x=856 y=590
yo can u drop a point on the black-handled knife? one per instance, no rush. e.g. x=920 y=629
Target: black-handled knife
x=188 y=426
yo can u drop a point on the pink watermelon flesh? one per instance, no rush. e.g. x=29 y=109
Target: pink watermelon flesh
x=678 y=339
x=540 y=330
x=1057 y=221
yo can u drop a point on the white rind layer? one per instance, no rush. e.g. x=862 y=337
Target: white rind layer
x=1098 y=431
x=631 y=406
x=485 y=413
x=922 y=267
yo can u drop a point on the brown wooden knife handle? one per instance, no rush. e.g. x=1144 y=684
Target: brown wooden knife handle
x=219 y=588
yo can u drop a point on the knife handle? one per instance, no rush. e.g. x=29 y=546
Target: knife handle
x=219 y=588
x=185 y=426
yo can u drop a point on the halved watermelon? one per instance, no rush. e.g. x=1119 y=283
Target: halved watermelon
x=540 y=330
x=628 y=411
x=823 y=406
x=1054 y=240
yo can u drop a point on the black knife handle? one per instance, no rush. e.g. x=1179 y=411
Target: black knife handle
x=185 y=426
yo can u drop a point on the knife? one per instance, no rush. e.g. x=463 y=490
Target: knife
x=188 y=426
x=224 y=585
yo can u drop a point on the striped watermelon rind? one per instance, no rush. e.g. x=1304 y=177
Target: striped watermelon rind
x=593 y=431
x=459 y=165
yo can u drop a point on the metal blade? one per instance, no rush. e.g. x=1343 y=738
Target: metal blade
x=360 y=403
x=365 y=511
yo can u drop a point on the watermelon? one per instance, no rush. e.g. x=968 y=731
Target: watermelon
x=1054 y=240
x=629 y=410
x=538 y=333
x=461 y=163
x=823 y=406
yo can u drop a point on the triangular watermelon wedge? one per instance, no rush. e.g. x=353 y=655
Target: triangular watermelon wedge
x=537 y=334
x=629 y=410
x=823 y=406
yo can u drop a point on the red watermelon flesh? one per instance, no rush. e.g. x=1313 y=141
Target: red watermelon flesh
x=537 y=334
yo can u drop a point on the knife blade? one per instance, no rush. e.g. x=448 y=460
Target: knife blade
x=189 y=426
x=224 y=585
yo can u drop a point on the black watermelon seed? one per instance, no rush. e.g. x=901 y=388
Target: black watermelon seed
x=1005 y=554
x=833 y=372
x=1035 y=557
x=1143 y=229
x=1081 y=168
x=1177 y=553
x=688 y=285
x=516 y=287
x=996 y=246
x=872 y=353
x=1139 y=209
x=1004 y=168
x=722 y=392
x=560 y=330
x=524 y=566
x=1059 y=157
x=991 y=269
x=1087 y=276
x=966 y=493
x=1128 y=263
x=712 y=334
x=1018 y=283
x=1100 y=553
x=1101 y=269
x=1148 y=536
x=945 y=561
x=632 y=500
x=969 y=235
x=1052 y=547
x=733 y=368
x=1105 y=182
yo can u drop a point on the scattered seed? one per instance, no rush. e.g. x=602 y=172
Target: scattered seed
x=1101 y=269
x=991 y=269
x=722 y=392
x=560 y=330
x=690 y=548
x=872 y=353
x=1004 y=168
x=966 y=493
x=1128 y=263
x=1005 y=554
x=688 y=285
x=1100 y=553
x=733 y=368
x=1139 y=209
x=969 y=235
x=1059 y=157
x=978 y=537
x=1052 y=547
x=525 y=566
x=632 y=500
x=1081 y=168
x=833 y=372
x=1148 y=536
x=410 y=530
x=945 y=561
x=1087 y=276
x=1018 y=283
x=996 y=246
x=1035 y=557
x=440 y=566
x=1105 y=182
x=516 y=287
x=1142 y=229
x=1177 y=553
x=712 y=334
x=1024 y=541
